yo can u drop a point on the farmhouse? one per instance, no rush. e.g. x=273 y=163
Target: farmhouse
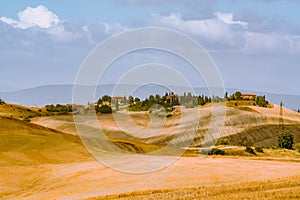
x=248 y=96
x=171 y=98
x=117 y=99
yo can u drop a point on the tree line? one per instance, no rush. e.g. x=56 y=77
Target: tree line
x=105 y=103
x=59 y=108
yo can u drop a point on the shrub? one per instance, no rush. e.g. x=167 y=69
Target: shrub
x=286 y=140
x=259 y=149
x=27 y=119
x=223 y=141
x=236 y=152
x=169 y=115
x=61 y=109
x=250 y=150
x=216 y=151
x=104 y=109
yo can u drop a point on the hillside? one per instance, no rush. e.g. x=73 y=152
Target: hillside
x=38 y=161
x=20 y=112
x=23 y=143
x=260 y=125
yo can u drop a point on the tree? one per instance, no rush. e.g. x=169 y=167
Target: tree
x=104 y=109
x=237 y=95
x=201 y=100
x=61 y=109
x=261 y=101
x=151 y=98
x=137 y=100
x=99 y=102
x=157 y=98
x=106 y=98
x=130 y=100
x=286 y=140
x=226 y=96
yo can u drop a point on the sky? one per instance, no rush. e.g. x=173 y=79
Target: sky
x=254 y=43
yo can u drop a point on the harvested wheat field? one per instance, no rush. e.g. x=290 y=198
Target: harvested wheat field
x=80 y=180
x=274 y=189
x=45 y=159
x=260 y=125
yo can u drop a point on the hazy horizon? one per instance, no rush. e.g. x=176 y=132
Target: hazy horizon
x=62 y=94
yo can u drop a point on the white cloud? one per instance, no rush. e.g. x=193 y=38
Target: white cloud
x=31 y=17
x=10 y=21
x=215 y=30
x=223 y=32
x=44 y=20
x=228 y=19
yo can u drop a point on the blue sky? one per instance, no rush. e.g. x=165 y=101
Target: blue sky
x=255 y=43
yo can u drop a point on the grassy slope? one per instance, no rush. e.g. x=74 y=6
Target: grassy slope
x=27 y=144
x=21 y=112
x=261 y=125
x=265 y=126
x=265 y=135
x=23 y=143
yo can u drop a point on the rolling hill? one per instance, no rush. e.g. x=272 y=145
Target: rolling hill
x=23 y=143
x=260 y=125
x=46 y=159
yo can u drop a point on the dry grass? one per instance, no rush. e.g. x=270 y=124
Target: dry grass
x=21 y=112
x=38 y=162
x=287 y=188
x=23 y=143
x=260 y=125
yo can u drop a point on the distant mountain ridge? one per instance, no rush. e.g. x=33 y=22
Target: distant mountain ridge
x=54 y=94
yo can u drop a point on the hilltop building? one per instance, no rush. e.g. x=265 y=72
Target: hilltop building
x=248 y=96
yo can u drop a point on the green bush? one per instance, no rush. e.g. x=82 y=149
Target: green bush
x=286 y=140
x=61 y=109
x=104 y=109
x=169 y=115
x=27 y=119
x=250 y=150
x=216 y=151
x=259 y=149
x=236 y=152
